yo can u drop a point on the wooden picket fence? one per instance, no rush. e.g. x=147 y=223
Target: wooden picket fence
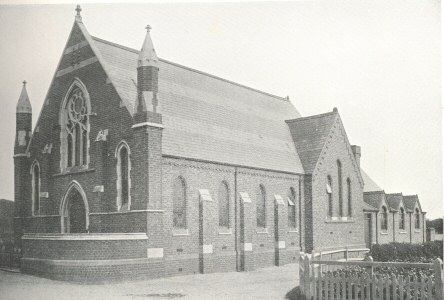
x=350 y=280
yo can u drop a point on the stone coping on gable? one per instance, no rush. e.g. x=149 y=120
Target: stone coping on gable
x=86 y=236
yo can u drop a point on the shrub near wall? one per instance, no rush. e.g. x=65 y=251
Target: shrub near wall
x=403 y=252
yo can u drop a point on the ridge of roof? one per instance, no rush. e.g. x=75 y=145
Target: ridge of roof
x=311 y=117
x=375 y=192
x=190 y=69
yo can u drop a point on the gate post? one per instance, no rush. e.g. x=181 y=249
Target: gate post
x=307 y=288
x=438 y=277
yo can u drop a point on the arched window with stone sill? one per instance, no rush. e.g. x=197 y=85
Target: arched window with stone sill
x=292 y=208
x=261 y=207
x=224 y=205
x=329 y=190
x=384 y=219
x=401 y=218
x=35 y=184
x=349 y=198
x=123 y=182
x=179 y=204
x=74 y=128
x=340 y=198
x=417 y=219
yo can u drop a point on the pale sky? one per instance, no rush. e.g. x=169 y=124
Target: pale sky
x=378 y=62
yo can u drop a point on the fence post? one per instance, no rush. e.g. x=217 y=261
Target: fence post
x=438 y=278
x=307 y=288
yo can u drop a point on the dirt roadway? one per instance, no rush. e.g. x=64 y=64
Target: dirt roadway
x=267 y=283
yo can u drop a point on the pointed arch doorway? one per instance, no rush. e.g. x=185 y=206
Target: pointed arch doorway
x=74 y=210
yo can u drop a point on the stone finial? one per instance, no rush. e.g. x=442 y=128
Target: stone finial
x=147 y=55
x=335 y=109
x=23 y=104
x=78 y=10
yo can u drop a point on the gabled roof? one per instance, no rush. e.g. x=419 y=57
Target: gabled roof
x=394 y=201
x=375 y=199
x=310 y=135
x=205 y=117
x=410 y=201
x=369 y=184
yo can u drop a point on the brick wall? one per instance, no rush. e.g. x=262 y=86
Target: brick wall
x=329 y=233
x=182 y=247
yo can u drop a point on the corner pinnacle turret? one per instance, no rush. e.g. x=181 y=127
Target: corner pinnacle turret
x=23 y=104
x=147 y=55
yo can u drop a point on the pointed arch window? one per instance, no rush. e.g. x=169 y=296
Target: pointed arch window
x=401 y=218
x=74 y=121
x=417 y=219
x=35 y=175
x=260 y=207
x=349 y=198
x=123 y=177
x=179 y=204
x=292 y=208
x=224 y=205
x=384 y=218
x=341 y=209
x=329 y=190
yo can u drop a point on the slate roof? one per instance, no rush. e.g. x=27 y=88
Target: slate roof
x=368 y=207
x=410 y=201
x=369 y=184
x=394 y=200
x=310 y=135
x=374 y=199
x=209 y=118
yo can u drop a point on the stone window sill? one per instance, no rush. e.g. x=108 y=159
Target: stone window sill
x=76 y=171
x=225 y=231
x=293 y=230
x=339 y=220
x=384 y=232
x=417 y=230
x=403 y=232
x=180 y=232
x=262 y=231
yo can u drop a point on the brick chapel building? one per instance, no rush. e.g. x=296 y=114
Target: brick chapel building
x=140 y=167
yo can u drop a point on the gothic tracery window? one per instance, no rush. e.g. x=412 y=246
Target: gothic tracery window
x=75 y=129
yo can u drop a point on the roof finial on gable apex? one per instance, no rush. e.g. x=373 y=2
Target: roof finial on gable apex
x=148 y=28
x=78 y=10
x=335 y=109
x=24 y=82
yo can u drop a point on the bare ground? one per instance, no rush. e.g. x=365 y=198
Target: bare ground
x=267 y=283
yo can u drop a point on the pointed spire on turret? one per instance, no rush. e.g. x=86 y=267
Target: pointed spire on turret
x=78 y=16
x=147 y=55
x=23 y=104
